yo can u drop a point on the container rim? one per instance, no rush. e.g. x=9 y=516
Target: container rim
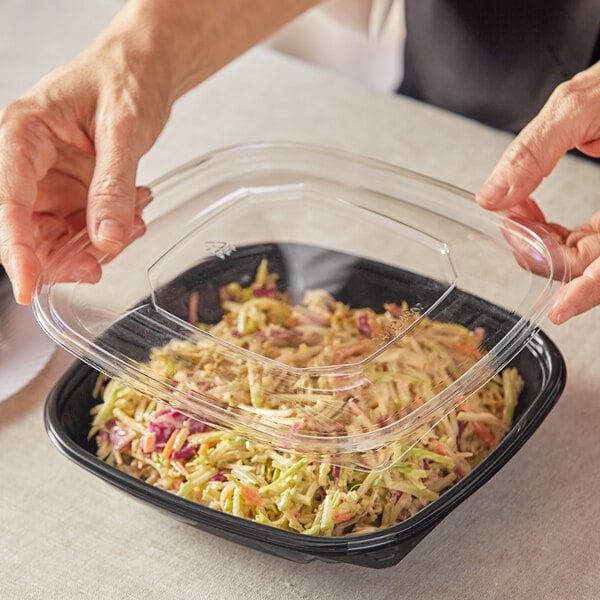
x=261 y=153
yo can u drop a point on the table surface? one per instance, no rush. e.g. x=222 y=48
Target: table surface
x=531 y=532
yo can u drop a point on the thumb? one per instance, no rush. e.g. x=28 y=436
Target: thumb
x=569 y=119
x=528 y=159
x=112 y=192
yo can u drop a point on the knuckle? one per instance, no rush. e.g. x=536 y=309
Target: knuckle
x=21 y=114
x=524 y=155
x=588 y=251
x=23 y=131
x=13 y=111
x=109 y=198
x=569 y=97
x=111 y=191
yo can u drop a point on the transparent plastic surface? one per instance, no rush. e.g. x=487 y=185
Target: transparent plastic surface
x=341 y=264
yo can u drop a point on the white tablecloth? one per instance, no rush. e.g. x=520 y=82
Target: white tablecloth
x=531 y=532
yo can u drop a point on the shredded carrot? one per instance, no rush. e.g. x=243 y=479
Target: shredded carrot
x=251 y=496
x=359 y=412
x=377 y=329
x=481 y=429
x=348 y=350
x=343 y=516
x=149 y=443
x=203 y=448
x=168 y=449
x=417 y=400
x=439 y=447
x=468 y=349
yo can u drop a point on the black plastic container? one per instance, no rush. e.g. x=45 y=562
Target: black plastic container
x=67 y=413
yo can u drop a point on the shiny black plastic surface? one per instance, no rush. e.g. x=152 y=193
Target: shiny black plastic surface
x=540 y=363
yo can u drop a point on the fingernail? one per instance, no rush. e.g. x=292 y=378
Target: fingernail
x=112 y=233
x=493 y=190
x=16 y=292
x=562 y=316
x=559 y=313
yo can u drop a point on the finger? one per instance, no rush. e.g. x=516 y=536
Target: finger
x=139 y=229
x=530 y=210
x=63 y=196
x=578 y=296
x=33 y=236
x=567 y=120
x=61 y=193
x=112 y=194
x=590 y=148
x=529 y=214
x=143 y=197
x=77 y=220
x=527 y=254
x=596 y=221
x=47 y=226
x=580 y=235
x=81 y=266
x=18 y=187
x=526 y=161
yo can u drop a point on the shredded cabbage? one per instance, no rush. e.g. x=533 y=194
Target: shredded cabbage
x=229 y=472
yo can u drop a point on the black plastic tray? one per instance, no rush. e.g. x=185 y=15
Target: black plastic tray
x=67 y=419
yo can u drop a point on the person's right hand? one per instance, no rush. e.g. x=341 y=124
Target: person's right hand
x=69 y=151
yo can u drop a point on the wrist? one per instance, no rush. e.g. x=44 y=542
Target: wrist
x=183 y=42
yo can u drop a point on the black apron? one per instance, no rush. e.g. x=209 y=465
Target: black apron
x=496 y=61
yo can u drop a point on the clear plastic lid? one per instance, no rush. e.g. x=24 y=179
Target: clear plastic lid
x=315 y=301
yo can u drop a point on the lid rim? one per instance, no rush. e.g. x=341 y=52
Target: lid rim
x=532 y=309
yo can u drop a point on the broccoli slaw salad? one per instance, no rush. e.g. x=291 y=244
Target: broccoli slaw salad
x=281 y=486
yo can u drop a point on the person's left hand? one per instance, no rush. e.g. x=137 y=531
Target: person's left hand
x=570 y=119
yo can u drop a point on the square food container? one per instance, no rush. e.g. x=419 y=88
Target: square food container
x=369 y=234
